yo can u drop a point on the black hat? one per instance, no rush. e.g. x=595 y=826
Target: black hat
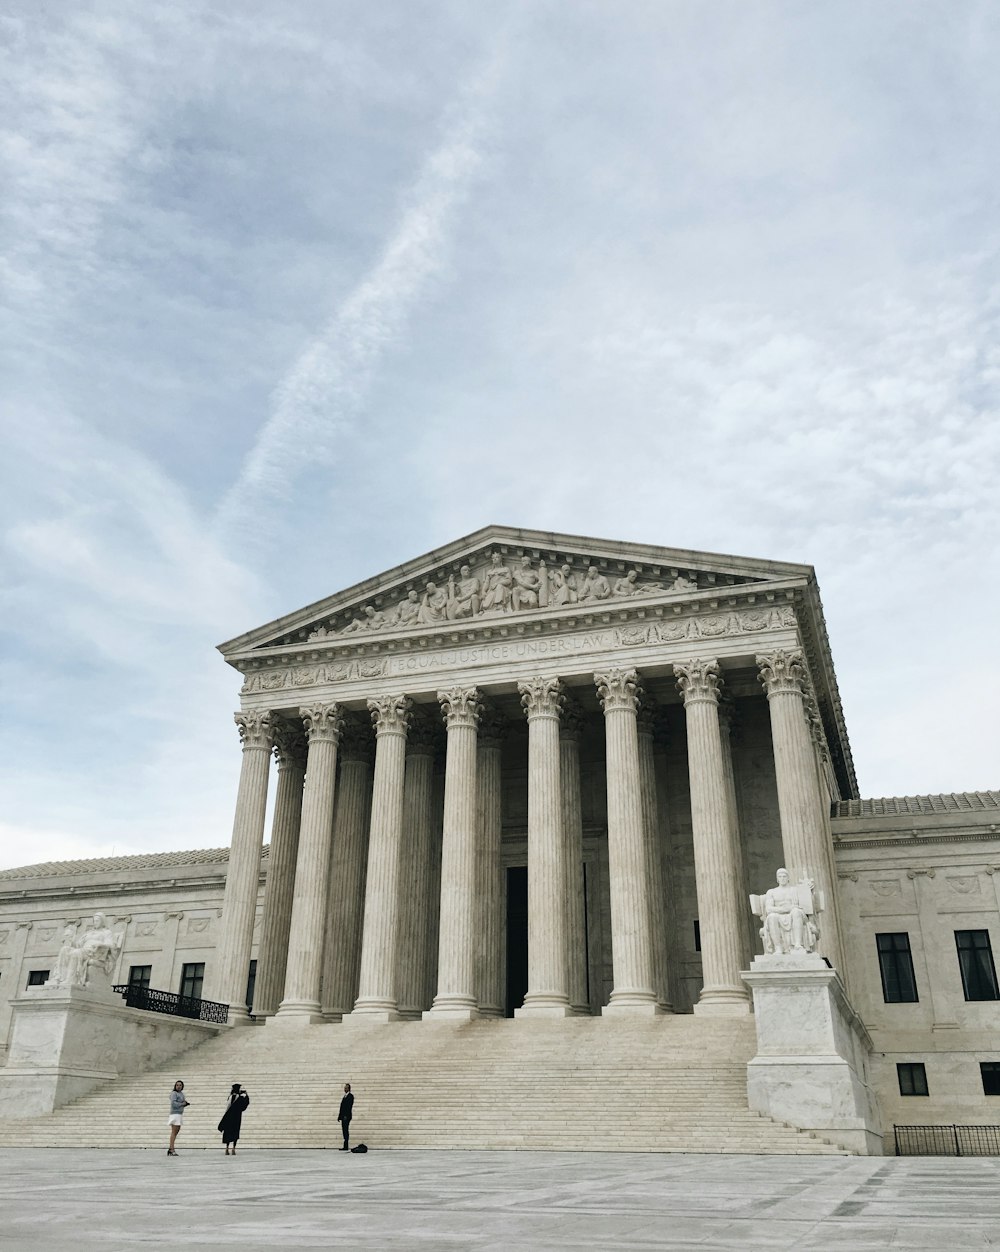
x=236 y=1087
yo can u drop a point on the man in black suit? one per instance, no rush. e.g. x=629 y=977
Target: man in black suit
x=344 y=1116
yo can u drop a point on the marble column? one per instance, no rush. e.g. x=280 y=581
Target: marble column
x=415 y=872
x=239 y=906
x=491 y=967
x=803 y=812
x=272 y=952
x=631 y=923
x=377 y=981
x=728 y=729
x=547 y=995
x=456 y=994
x=434 y=876
x=348 y=866
x=570 y=729
x=659 y=916
x=304 y=968
x=720 y=910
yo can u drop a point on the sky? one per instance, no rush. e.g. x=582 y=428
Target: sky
x=291 y=294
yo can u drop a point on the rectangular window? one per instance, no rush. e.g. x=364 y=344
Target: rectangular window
x=697 y=936
x=975 y=958
x=990 y=1071
x=912 y=1078
x=896 y=965
x=192 y=979
x=140 y=975
x=37 y=977
x=251 y=983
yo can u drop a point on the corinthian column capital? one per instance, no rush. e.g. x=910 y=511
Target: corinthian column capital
x=699 y=680
x=493 y=726
x=255 y=729
x=356 y=742
x=541 y=697
x=618 y=689
x=782 y=673
x=390 y=714
x=323 y=722
x=461 y=706
x=289 y=744
x=571 y=720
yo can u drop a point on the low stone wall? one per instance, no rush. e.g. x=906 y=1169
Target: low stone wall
x=65 y=1041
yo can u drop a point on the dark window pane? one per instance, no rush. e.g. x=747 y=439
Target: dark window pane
x=975 y=959
x=899 y=985
x=192 y=979
x=912 y=1078
x=697 y=937
x=37 y=977
x=140 y=975
x=990 y=1071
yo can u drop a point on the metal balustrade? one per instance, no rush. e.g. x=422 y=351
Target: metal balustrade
x=947 y=1140
x=153 y=1001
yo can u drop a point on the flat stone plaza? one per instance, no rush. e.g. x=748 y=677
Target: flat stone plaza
x=118 y=1200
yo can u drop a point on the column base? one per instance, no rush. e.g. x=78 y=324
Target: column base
x=410 y=1015
x=238 y=1017
x=722 y=1002
x=452 y=1008
x=374 y=1010
x=581 y=1010
x=539 y=1004
x=296 y=1015
x=631 y=1004
x=491 y=1012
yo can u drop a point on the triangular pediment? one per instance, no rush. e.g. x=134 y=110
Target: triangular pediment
x=500 y=573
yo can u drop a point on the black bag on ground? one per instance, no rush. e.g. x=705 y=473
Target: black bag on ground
x=361 y=1147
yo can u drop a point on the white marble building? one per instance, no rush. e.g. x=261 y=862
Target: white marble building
x=538 y=774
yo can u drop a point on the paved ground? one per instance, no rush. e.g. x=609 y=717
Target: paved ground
x=57 y=1200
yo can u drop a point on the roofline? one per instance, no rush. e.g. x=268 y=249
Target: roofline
x=611 y=548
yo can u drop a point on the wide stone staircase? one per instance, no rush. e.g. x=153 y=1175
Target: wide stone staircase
x=670 y=1084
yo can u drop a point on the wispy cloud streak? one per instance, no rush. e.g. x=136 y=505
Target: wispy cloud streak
x=321 y=394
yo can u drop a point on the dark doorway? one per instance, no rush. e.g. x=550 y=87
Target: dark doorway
x=517 y=937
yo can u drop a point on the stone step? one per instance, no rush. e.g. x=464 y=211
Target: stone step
x=663 y=1085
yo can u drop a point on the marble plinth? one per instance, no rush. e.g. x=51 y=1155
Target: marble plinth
x=65 y=1041
x=812 y=1064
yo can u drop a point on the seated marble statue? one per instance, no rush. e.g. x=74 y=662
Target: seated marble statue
x=788 y=914
x=407 y=611
x=99 y=949
x=463 y=596
x=67 y=970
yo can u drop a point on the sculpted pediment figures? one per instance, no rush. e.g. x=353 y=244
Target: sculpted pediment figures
x=497 y=584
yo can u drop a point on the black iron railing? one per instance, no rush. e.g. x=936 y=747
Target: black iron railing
x=175 y=1005
x=947 y=1140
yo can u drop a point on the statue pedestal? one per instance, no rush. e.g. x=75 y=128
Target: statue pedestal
x=811 y=1069
x=65 y=1041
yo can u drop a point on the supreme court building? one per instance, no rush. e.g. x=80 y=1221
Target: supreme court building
x=539 y=776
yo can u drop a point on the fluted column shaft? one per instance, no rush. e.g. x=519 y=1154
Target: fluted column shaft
x=727 y=726
x=415 y=872
x=654 y=860
x=719 y=907
x=572 y=823
x=239 y=904
x=490 y=987
x=377 y=981
x=348 y=866
x=303 y=972
x=547 y=994
x=802 y=809
x=631 y=946
x=456 y=993
x=272 y=952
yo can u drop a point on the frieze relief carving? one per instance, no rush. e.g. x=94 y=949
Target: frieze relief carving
x=639 y=634
x=503 y=586
x=145 y=929
x=197 y=925
x=964 y=884
x=885 y=887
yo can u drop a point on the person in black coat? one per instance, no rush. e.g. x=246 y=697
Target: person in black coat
x=344 y=1116
x=232 y=1118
